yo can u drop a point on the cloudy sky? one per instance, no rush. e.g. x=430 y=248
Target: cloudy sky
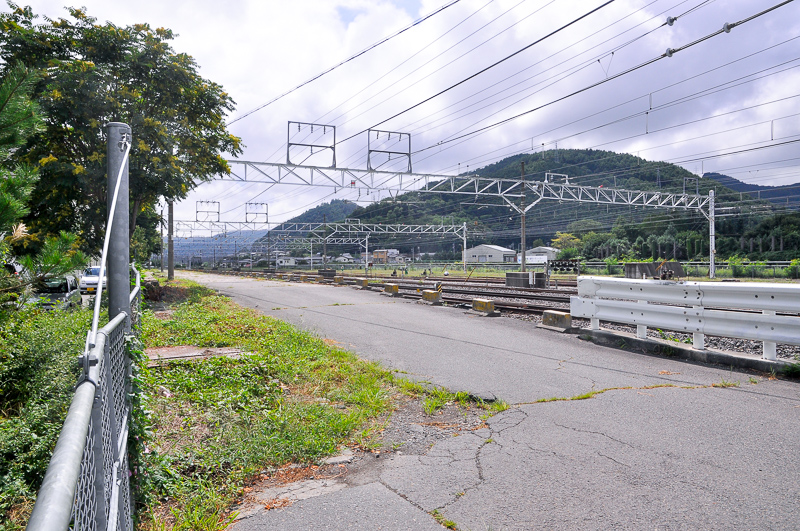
x=734 y=92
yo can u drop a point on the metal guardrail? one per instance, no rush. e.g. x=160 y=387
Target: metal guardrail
x=699 y=308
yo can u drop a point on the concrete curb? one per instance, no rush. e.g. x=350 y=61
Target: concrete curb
x=672 y=349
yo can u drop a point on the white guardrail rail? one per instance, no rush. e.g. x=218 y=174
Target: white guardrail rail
x=742 y=310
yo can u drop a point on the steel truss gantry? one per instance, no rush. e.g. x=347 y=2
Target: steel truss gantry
x=219 y=227
x=329 y=232
x=348 y=232
x=511 y=190
x=514 y=192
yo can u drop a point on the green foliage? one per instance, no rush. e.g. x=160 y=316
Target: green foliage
x=444 y=522
x=569 y=253
x=792 y=370
x=99 y=73
x=564 y=240
x=56 y=255
x=289 y=397
x=38 y=371
x=19 y=119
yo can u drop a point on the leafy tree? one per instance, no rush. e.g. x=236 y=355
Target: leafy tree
x=568 y=254
x=564 y=240
x=99 y=73
x=19 y=119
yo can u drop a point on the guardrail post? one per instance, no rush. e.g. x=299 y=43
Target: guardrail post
x=770 y=348
x=641 y=330
x=119 y=278
x=698 y=338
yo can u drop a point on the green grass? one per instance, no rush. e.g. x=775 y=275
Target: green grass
x=216 y=424
x=436 y=398
x=792 y=370
x=449 y=524
x=726 y=383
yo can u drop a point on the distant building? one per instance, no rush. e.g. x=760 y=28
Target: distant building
x=380 y=256
x=490 y=254
x=286 y=261
x=549 y=252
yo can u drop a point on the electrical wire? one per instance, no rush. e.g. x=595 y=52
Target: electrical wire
x=351 y=58
x=486 y=69
x=669 y=53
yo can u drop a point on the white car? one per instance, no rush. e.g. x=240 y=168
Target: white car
x=88 y=284
x=60 y=293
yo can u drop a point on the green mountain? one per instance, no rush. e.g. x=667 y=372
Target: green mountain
x=601 y=230
x=336 y=210
x=492 y=222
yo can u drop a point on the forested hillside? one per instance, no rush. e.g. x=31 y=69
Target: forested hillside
x=582 y=229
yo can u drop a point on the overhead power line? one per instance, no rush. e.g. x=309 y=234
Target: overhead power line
x=484 y=70
x=352 y=57
x=726 y=28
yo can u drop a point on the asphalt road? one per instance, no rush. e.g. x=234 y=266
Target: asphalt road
x=689 y=456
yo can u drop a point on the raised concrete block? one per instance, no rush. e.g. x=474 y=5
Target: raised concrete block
x=362 y=283
x=485 y=307
x=393 y=290
x=303 y=278
x=430 y=296
x=338 y=279
x=519 y=279
x=554 y=320
x=320 y=278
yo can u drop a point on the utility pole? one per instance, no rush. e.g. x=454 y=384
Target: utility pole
x=711 y=236
x=522 y=210
x=325 y=241
x=118 y=273
x=463 y=246
x=170 y=243
x=162 y=240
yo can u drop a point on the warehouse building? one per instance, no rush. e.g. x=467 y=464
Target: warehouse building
x=490 y=254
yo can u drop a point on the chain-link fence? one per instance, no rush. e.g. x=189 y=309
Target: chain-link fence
x=87 y=483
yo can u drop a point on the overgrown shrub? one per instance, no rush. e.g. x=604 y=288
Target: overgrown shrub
x=38 y=371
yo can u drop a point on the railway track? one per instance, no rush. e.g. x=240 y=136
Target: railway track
x=460 y=292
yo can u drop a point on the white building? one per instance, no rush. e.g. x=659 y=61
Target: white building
x=550 y=253
x=286 y=261
x=490 y=254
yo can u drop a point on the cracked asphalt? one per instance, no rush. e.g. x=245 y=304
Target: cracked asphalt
x=662 y=450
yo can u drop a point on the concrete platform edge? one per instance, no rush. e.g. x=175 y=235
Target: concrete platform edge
x=672 y=349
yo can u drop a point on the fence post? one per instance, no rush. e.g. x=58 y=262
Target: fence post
x=119 y=280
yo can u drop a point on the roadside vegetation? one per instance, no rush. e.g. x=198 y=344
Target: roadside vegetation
x=38 y=371
x=216 y=424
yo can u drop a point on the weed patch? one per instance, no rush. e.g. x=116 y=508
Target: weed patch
x=792 y=370
x=38 y=372
x=217 y=423
x=439 y=517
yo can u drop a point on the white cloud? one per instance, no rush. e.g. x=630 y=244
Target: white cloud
x=259 y=49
